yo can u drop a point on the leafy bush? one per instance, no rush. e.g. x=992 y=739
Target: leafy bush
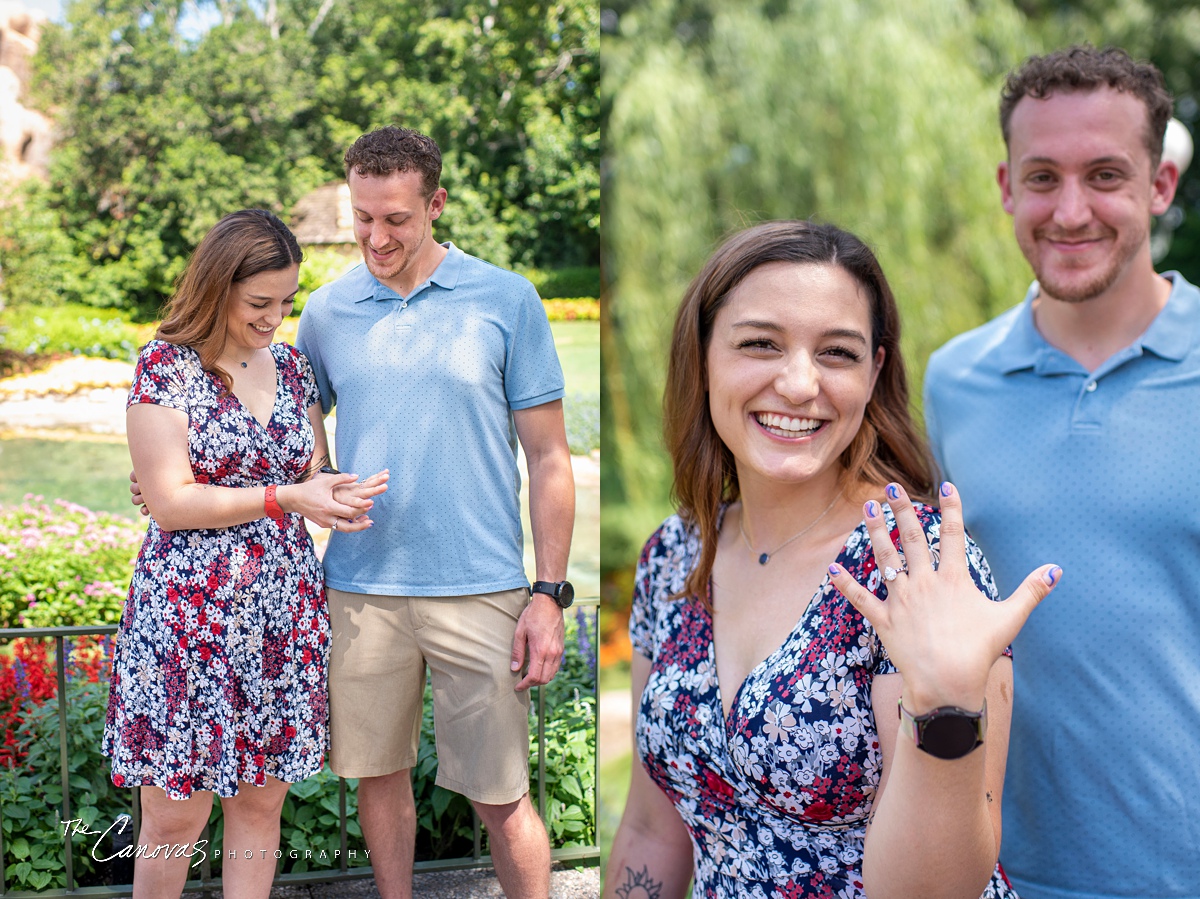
x=62 y=564
x=70 y=329
x=319 y=267
x=570 y=738
x=31 y=790
x=572 y=281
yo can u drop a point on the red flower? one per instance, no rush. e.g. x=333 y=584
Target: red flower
x=118 y=780
x=257 y=549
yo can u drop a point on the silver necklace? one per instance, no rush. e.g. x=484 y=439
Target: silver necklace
x=764 y=558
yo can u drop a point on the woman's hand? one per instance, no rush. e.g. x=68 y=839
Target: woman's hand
x=941 y=632
x=359 y=495
x=337 y=501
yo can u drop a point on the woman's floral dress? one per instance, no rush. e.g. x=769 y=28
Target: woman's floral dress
x=776 y=796
x=219 y=669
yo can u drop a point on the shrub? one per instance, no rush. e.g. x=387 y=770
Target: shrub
x=31 y=791
x=572 y=281
x=319 y=267
x=62 y=564
x=69 y=329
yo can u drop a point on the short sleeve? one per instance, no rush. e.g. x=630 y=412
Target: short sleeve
x=308 y=380
x=662 y=571
x=532 y=373
x=160 y=376
x=641 y=616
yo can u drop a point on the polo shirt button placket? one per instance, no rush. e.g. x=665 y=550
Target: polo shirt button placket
x=1091 y=387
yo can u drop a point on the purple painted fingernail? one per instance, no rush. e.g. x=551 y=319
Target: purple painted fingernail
x=947 y=489
x=1053 y=575
x=872 y=509
x=835 y=569
x=893 y=491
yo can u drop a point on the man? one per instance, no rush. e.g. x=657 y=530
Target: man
x=1070 y=426
x=437 y=363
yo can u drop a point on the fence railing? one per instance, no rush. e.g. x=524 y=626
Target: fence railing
x=207 y=883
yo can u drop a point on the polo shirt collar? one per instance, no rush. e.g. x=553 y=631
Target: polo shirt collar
x=1170 y=336
x=368 y=287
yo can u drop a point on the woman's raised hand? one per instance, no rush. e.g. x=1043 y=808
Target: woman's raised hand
x=941 y=632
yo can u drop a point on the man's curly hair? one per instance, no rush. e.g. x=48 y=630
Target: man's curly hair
x=1084 y=68
x=393 y=149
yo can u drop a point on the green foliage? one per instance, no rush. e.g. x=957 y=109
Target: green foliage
x=310 y=825
x=570 y=735
x=711 y=126
x=71 y=328
x=562 y=283
x=318 y=268
x=161 y=135
x=37 y=266
x=62 y=564
x=31 y=794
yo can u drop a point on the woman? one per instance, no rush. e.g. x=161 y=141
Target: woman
x=787 y=419
x=218 y=683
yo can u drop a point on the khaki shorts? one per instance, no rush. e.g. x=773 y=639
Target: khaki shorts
x=381 y=645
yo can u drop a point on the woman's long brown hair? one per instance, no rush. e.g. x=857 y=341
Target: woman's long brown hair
x=239 y=246
x=888 y=445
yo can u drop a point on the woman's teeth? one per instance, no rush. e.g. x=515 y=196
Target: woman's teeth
x=785 y=426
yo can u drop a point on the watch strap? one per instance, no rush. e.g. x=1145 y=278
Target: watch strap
x=271 y=504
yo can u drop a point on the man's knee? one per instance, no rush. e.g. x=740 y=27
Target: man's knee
x=498 y=818
x=393 y=790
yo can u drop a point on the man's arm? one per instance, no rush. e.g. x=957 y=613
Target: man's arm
x=539 y=637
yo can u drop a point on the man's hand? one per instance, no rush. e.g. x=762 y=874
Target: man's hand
x=137 y=499
x=539 y=638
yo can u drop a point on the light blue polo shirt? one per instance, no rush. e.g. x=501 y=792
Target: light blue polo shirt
x=1098 y=472
x=425 y=386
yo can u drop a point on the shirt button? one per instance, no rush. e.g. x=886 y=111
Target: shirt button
x=404 y=305
x=1091 y=386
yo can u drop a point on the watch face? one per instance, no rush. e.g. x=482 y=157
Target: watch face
x=566 y=594
x=949 y=736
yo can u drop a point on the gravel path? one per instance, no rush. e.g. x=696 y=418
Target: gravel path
x=565 y=883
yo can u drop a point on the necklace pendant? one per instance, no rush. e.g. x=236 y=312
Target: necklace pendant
x=243 y=364
x=764 y=558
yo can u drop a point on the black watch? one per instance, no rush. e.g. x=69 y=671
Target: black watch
x=947 y=732
x=561 y=592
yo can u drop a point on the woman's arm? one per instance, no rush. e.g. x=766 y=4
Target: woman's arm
x=652 y=849
x=936 y=821
x=158 y=446
x=934 y=833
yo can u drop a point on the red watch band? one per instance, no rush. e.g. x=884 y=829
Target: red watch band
x=271 y=505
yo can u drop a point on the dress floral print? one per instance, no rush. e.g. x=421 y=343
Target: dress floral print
x=776 y=796
x=219 y=670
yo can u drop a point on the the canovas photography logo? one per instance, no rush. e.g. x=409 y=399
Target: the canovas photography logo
x=119 y=835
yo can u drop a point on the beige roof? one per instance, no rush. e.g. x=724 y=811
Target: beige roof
x=323 y=216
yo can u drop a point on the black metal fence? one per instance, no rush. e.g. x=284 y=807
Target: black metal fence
x=207 y=883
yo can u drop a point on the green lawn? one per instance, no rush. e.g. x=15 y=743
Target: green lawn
x=578 y=345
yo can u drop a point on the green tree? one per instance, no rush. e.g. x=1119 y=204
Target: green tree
x=877 y=117
x=162 y=134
